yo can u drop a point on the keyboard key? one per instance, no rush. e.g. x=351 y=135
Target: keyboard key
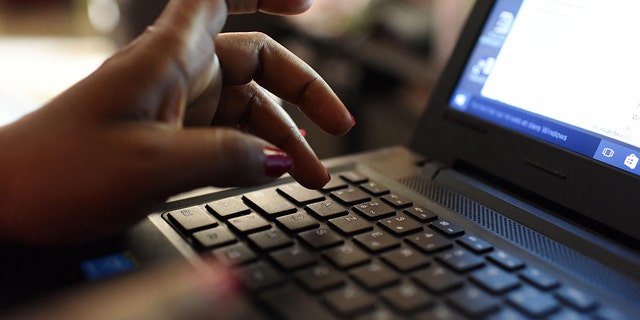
x=576 y=298
x=297 y=222
x=374 y=188
x=407 y=298
x=236 y=254
x=334 y=184
x=440 y=312
x=299 y=194
x=228 y=208
x=429 y=241
x=473 y=302
x=346 y=256
x=320 y=238
x=351 y=224
x=374 y=210
x=380 y=313
x=326 y=209
x=505 y=260
x=293 y=258
x=460 y=260
x=269 y=202
x=533 y=302
x=193 y=218
x=400 y=225
x=437 y=279
x=353 y=177
x=405 y=259
x=507 y=313
x=249 y=223
x=539 y=279
x=447 y=228
x=568 y=314
x=376 y=241
x=475 y=244
x=349 y=301
x=259 y=276
x=495 y=280
x=270 y=239
x=421 y=214
x=350 y=196
x=397 y=201
x=375 y=275
x=609 y=313
x=320 y=278
x=214 y=237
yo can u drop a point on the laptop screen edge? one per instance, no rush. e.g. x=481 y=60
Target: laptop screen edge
x=597 y=192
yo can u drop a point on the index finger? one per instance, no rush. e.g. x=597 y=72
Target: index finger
x=254 y=56
x=185 y=30
x=268 y=6
x=214 y=9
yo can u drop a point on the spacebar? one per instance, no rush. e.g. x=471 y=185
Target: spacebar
x=291 y=302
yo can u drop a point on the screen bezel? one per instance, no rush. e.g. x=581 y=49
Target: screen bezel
x=538 y=169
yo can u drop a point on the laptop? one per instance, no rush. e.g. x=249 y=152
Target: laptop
x=515 y=199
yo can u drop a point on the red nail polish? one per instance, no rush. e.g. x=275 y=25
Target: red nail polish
x=277 y=162
x=303 y=132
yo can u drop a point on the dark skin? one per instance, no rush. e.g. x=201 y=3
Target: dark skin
x=179 y=108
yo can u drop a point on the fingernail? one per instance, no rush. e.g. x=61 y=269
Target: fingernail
x=277 y=162
x=353 y=121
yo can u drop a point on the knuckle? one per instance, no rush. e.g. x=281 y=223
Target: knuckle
x=262 y=43
x=145 y=147
x=260 y=37
x=290 y=138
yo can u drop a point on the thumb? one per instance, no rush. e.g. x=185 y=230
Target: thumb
x=172 y=291
x=220 y=157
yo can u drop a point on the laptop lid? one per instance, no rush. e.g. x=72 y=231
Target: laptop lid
x=543 y=97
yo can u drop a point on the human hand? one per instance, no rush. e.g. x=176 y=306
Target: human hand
x=179 y=108
x=170 y=291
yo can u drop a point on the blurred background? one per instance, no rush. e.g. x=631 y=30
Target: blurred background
x=381 y=56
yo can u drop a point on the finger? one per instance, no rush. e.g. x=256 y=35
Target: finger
x=269 y=6
x=198 y=157
x=203 y=109
x=170 y=65
x=186 y=18
x=255 y=56
x=137 y=167
x=192 y=25
x=172 y=291
x=258 y=113
x=185 y=30
x=166 y=80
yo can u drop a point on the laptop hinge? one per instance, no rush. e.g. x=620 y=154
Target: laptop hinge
x=431 y=169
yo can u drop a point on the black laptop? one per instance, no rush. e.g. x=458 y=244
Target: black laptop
x=517 y=197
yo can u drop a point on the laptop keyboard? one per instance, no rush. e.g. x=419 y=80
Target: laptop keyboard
x=358 y=250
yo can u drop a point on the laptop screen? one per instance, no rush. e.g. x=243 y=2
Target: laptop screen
x=563 y=71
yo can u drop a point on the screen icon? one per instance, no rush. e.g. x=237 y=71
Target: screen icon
x=608 y=152
x=631 y=161
x=504 y=23
x=460 y=100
